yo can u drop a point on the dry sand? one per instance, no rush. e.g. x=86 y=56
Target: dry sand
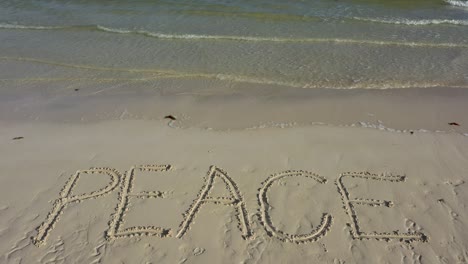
x=103 y=178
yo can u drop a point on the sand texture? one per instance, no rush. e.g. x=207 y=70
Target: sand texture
x=244 y=132
x=143 y=192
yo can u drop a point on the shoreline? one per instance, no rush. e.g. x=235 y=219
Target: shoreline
x=215 y=105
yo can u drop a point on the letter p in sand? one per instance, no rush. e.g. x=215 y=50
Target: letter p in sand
x=67 y=198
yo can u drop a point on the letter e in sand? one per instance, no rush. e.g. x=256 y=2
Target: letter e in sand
x=116 y=229
x=349 y=208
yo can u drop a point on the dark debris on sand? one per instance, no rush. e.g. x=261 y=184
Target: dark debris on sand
x=171 y=117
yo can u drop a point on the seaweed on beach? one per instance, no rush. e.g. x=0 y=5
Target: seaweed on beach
x=171 y=117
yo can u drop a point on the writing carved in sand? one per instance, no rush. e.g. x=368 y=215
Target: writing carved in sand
x=236 y=200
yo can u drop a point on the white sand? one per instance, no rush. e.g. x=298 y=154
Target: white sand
x=295 y=142
x=424 y=175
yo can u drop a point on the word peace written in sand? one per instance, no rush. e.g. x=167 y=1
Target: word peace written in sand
x=126 y=182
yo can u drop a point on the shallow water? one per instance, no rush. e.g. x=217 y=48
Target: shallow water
x=310 y=44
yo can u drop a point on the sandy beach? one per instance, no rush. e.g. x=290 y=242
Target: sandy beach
x=118 y=188
x=205 y=131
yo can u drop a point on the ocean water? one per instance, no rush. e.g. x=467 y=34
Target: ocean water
x=311 y=44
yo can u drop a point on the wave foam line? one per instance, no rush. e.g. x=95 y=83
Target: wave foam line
x=293 y=17
x=241 y=79
x=240 y=38
x=216 y=76
x=420 y=22
x=95 y=79
x=287 y=40
x=296 y=17
x=366 y=125
x=457 y=3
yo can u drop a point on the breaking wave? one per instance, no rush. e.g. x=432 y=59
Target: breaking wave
x=457 y=3
x=238 y=38
x=413 y=22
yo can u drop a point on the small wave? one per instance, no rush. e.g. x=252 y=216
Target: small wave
x=457 y=3
x=16 y=26
x=419 y=22
x=165 y=73
x=240 y=38
x=292 y=17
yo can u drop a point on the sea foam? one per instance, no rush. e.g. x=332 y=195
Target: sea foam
x=414 y=22
x=240 y=38
x=457 y=3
